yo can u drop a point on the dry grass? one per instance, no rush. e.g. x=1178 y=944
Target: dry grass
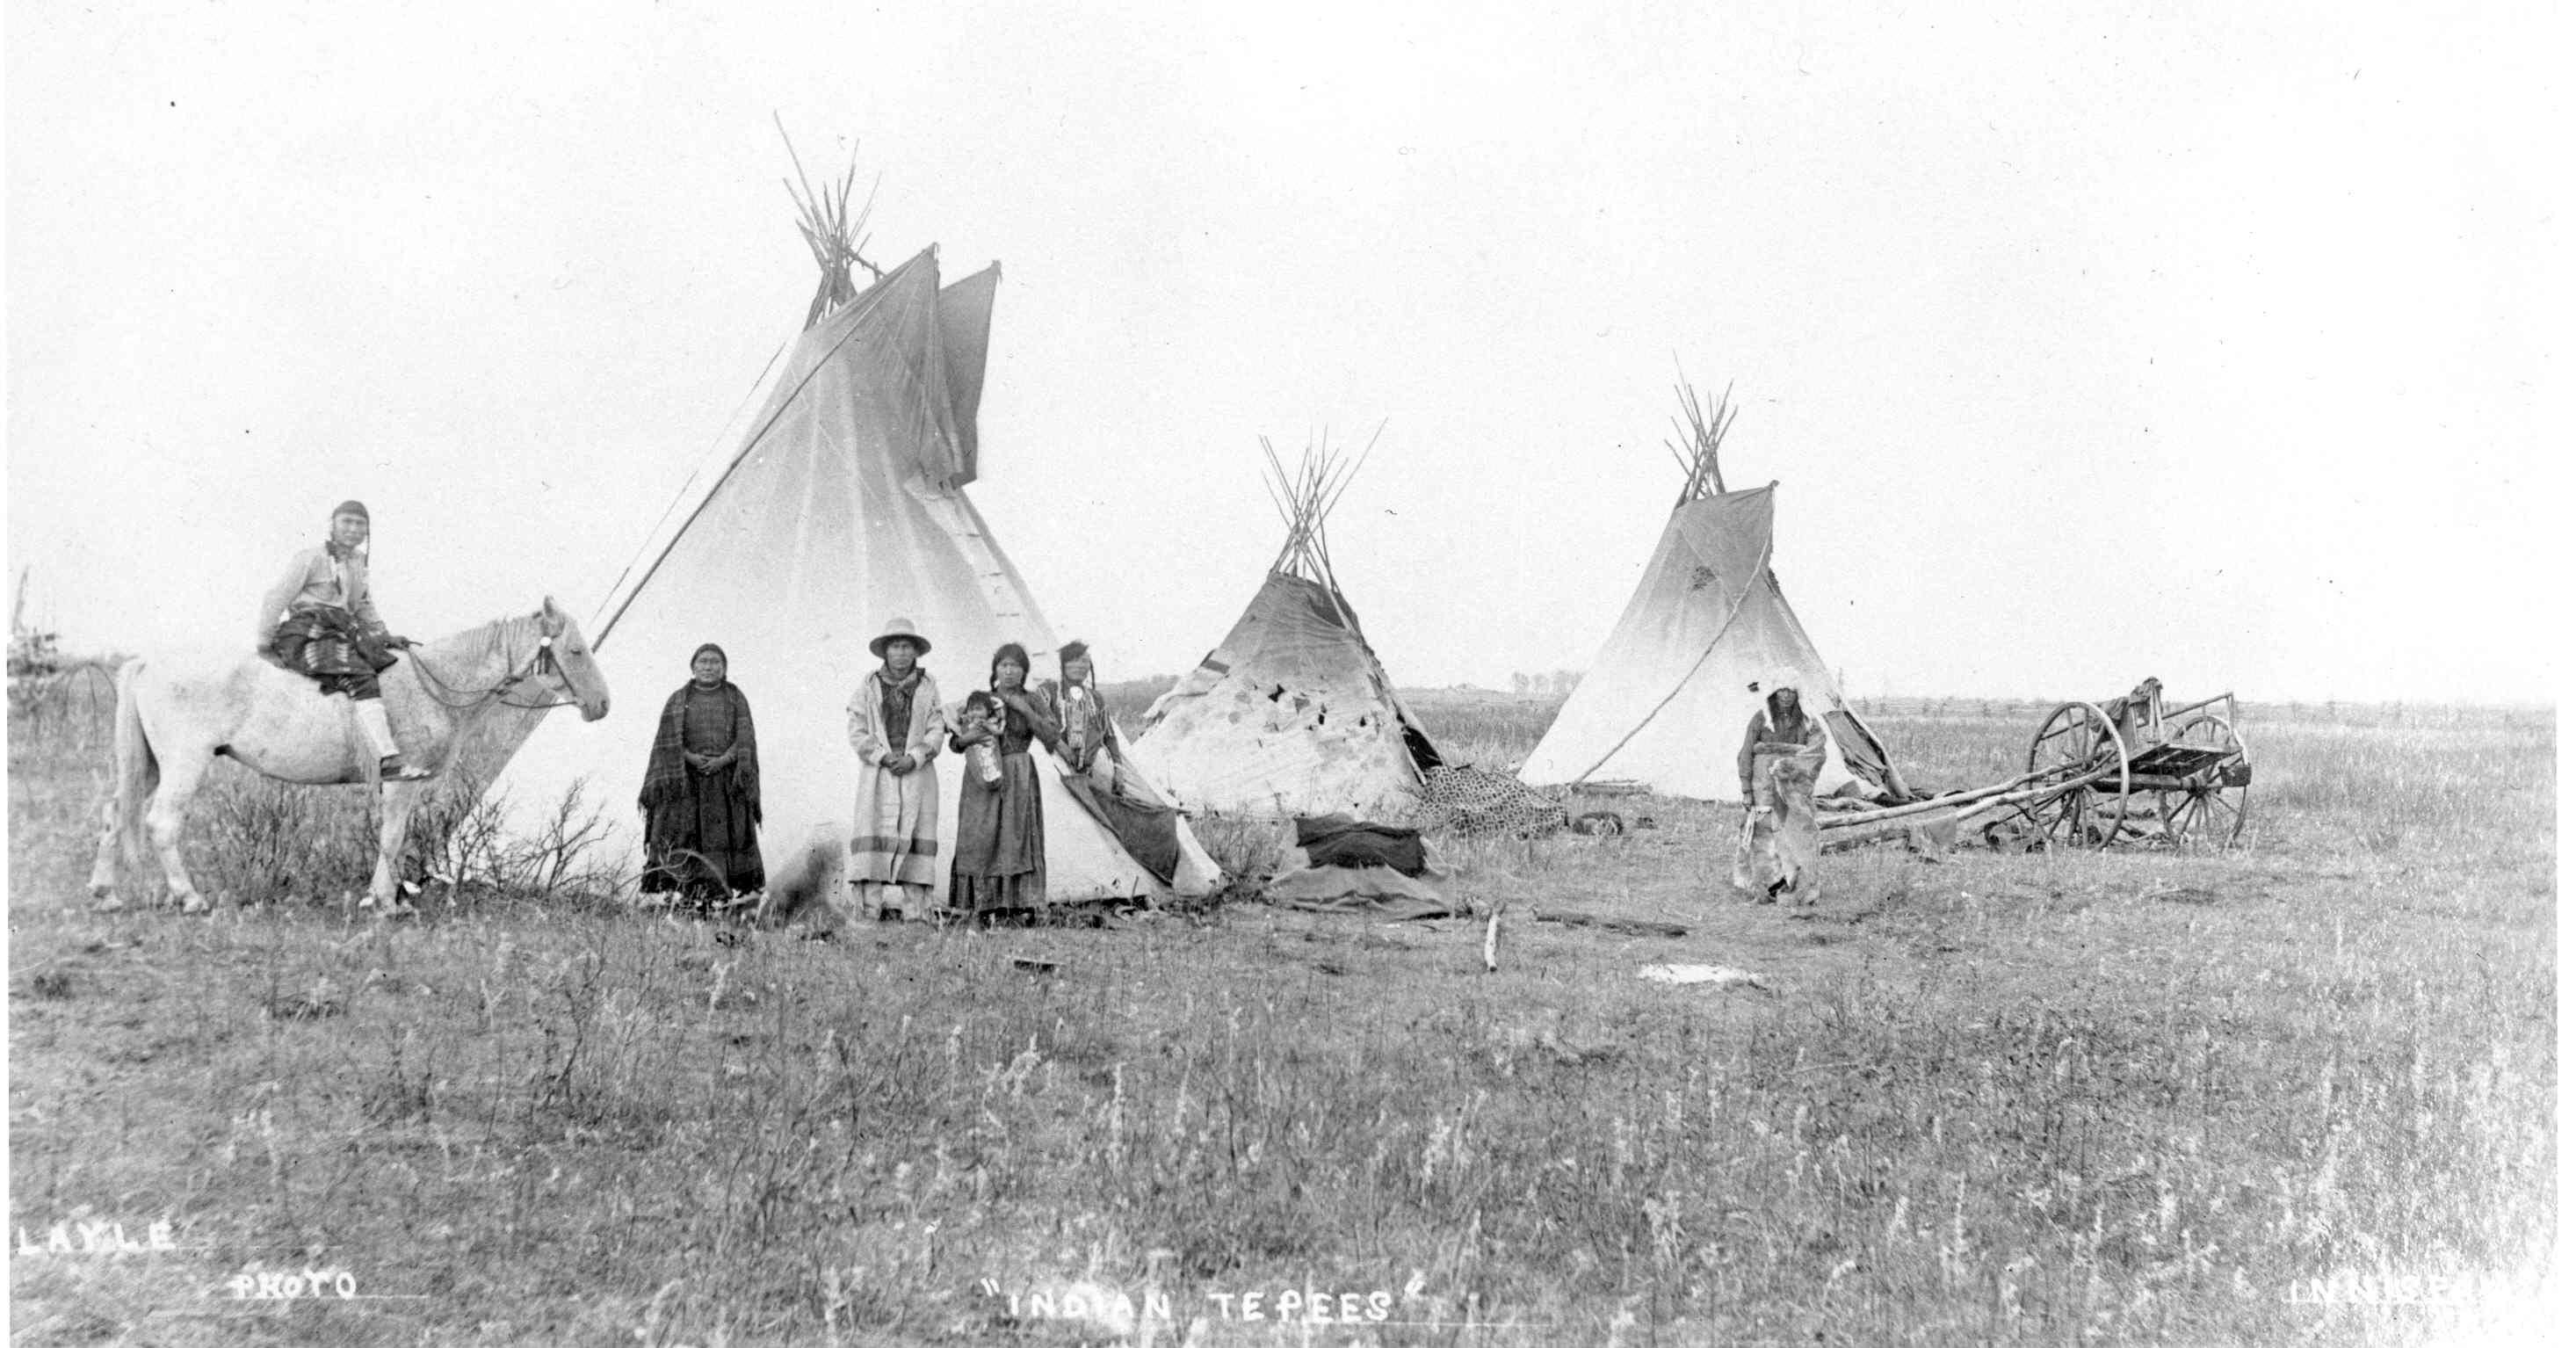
x=2062 y=1098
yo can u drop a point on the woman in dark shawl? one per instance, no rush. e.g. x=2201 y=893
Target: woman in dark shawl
x=999 y=870
x=701 y=796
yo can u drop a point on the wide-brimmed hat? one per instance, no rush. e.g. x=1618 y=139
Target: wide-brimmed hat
x=900 y=627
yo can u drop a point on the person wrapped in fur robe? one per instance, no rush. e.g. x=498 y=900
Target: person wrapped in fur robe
x=1784 y=750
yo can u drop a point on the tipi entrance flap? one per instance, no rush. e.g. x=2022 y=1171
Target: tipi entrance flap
x=966 y=335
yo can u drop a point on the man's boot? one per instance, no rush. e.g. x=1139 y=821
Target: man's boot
x=380 y=737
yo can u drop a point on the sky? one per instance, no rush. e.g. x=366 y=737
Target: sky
x=2208 y=341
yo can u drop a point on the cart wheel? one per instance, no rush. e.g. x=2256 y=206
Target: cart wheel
x=2077 y=739
x=2211 y=815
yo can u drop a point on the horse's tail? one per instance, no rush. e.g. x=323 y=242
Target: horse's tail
x=137 y=771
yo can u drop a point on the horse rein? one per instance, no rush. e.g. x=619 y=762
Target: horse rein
x=539 y=664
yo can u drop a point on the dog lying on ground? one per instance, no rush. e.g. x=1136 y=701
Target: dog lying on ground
x=805 y=888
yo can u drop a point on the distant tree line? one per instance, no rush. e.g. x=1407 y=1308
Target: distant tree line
x=1554 y=683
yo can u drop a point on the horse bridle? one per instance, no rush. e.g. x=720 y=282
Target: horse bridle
x=543 y=661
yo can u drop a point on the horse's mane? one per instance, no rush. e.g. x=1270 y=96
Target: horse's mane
x=499 y=644
x=489 y=635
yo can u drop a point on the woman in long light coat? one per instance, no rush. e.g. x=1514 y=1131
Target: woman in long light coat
x=896 y=724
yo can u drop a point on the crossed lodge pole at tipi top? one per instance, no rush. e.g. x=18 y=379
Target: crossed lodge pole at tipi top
x=1304 y=500
x=830 y=231
x=1703 y=426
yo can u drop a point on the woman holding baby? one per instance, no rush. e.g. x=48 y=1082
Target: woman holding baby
x=999 y=871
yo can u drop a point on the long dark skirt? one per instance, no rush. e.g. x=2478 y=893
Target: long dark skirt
x=1000 y=865
x=705 y=843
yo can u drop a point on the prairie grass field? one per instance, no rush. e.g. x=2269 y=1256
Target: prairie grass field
x=2300 y=1090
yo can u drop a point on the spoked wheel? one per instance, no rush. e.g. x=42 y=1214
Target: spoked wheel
x=2210 y=814
x=2077 y=741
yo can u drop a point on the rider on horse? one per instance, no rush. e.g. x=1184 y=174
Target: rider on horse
x=318 y=620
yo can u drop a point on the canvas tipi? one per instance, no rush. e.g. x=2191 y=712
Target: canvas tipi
x=1291 y=714
x=843 y=508
x=1705 y=637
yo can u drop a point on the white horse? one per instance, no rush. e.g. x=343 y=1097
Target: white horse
x=174 y=716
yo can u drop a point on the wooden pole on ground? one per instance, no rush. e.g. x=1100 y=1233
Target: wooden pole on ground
x=1978 y=798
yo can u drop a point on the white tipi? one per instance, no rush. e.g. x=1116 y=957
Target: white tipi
x=1291 y=714
x=843 y=508
x=1705 y=637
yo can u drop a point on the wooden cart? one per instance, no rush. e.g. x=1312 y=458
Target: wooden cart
x=2148 y=772
x=2128 y=770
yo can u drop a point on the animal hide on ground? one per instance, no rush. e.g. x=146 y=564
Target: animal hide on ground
x=1776 y=856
